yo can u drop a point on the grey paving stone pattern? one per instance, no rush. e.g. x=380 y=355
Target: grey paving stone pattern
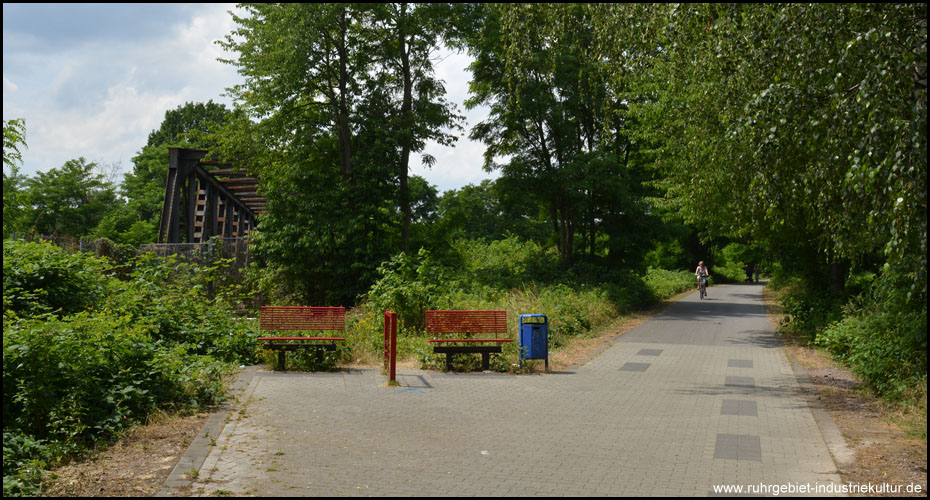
x=690 y=420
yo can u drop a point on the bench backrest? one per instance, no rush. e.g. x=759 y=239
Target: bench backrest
x=466 y=322
x=302 y=318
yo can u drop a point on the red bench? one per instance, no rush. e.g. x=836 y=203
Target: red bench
x=467 y=323
x=277 y=318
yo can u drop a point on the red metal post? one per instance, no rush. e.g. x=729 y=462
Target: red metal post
x=387 y=336
x=393 y=347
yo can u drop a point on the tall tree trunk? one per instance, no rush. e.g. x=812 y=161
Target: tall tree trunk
x=566 y=234
x=406 y=134
x=345 y=131
x=837 y=276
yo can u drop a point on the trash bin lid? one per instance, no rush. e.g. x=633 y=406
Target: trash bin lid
x=533 y=319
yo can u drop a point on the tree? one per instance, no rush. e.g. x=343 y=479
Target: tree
x=342 y=93
x=71 y=200
x=816 y=112
x=410 y=35
x=490 y=210
x=14 y=136
x=556 y=119
x=189 y=123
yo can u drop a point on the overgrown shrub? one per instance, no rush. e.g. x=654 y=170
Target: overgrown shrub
x=24 y=460
x=86 y=354
x=411 y=284
x=666 y=255
x=504 y=264
x=160 y=299
x=664 y=283
x=882 y=337
x=39 y=278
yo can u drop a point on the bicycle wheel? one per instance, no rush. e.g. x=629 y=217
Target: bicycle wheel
x=702 y=291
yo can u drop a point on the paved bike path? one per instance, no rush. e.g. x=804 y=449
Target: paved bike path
x=699 y=395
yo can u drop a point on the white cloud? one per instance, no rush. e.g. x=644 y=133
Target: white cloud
x=100 y=97
x=9 y=86
x=460 y=164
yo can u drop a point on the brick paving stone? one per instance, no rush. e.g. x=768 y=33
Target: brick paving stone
x=591 y=430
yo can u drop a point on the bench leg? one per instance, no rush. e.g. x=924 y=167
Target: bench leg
x=448 y=361
x=281 y=360
x=485 y=361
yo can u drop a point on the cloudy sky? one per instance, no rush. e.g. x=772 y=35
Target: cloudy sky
x=94 y=80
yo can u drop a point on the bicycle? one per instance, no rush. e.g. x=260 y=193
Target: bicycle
x=702 y=286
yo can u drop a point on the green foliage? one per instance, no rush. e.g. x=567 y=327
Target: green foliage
x=113 y=351
x=882 y=337
x=491 y=210
x=504 y=264
x=71 y=200
x=189 y=123
x=159 y=298
x=24 y=459
x=41 y=278
x=56 y=387
x=14 y=137
x=810 y=310
x=800 y=126
x=664 y=283
x=666 y=255
x=409 y=285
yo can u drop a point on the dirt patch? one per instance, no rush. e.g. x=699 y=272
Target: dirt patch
x=136 y=466
x=882 y=437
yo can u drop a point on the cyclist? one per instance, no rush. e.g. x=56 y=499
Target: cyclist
x=702 y=274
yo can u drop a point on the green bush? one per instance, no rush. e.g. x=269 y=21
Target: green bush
x=39 y=278
x=86 y=354
x=664 y=283
x=629 y=292
x=24 y=459
x=159 y=299
x=409 y=285
x=78 y=381
x=809 y=311
x=666 y=255
x=882 y=337
x=504 y=264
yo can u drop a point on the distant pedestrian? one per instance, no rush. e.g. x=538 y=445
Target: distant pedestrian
x=758 y=270
x=748 y=269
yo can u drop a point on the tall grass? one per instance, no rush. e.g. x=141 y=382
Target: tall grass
x=411 y=284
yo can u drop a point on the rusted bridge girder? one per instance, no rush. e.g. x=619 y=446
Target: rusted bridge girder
x=201 y=203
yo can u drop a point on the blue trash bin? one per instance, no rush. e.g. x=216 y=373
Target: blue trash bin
x=534 y=337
